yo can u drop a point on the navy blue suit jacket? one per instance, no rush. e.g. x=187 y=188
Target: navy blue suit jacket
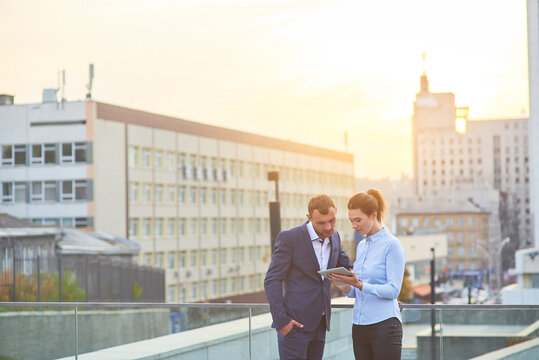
x=294 y=265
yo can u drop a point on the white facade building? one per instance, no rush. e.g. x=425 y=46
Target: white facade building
x=194 y=196
x=526 y=290
x=453 y=154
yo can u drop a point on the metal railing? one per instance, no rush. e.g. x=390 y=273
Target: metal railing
x=520 y=317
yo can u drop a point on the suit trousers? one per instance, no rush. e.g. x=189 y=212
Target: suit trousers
x=382 y=340
x=301 y=344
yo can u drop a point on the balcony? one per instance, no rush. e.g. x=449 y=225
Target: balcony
x=243 y=331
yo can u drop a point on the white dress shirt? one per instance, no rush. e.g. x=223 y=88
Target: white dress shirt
x=321 y=247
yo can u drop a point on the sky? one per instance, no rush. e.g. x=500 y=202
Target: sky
x=306 y=71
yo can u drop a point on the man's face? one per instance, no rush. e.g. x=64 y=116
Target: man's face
x=324 y=225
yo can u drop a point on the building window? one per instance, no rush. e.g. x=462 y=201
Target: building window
x=13 y=155
x=146 y=193
x=202 y=195
x=159 y=260
x=181 y=259
x=44 y=154
x=170 y=193
x=213 y=226
x=7 y=192
x=67 y=191
x=460 y=251
x=181 y=194
x=241 y=226
x=203 y=257
x=181 y=162
x=203 y=226
x=213 y=195
x=240 y=197
x=472 y=251
x=146 y=159
x=158 y=159
x=159 y=193
x=181 y=226
x=222 y=195
x=460 y=237
x=203 y=289
x=158 y=227
x=133 y=192
x=449 y=251
x=193 y=258
x=170 y=226
x=171 y=258
x=222 y=256
x=233 y=226
x=133 y=227
x=146 y=227
x=192 y=227
x=49 y=190
x=132 y=156
x=460 y=221
x=170 y=161
x=213 y=257
x=74 y=190
x=193 y=195
x=171 y=293
x=471 y=221
x=223 y=287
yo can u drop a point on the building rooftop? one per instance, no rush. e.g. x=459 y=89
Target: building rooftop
x=142 y=118
x=436 y=206
x=8 y=221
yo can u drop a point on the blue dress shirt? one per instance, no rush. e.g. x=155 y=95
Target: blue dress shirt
x=379 y=265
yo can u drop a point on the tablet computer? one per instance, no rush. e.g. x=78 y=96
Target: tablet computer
x=339 y=270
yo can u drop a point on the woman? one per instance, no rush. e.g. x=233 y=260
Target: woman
x=375 y=282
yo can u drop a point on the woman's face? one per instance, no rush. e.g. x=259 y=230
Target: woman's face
x=361 y=222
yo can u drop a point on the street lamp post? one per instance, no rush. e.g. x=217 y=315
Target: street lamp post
x=275 y=210
x=499 y=263
x=432 y=301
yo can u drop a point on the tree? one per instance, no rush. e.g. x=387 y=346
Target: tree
x=406 y=288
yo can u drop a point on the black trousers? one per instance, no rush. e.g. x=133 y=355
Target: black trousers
x=380 y=341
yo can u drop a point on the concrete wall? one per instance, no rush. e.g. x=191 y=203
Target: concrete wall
x=51 y=334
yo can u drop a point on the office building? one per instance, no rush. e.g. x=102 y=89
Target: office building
x=194 y=196
x=465 y=224
x=452 y=153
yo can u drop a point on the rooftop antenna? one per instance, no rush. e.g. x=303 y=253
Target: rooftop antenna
x=89 y=86
x=62 y=85
x=424 y=56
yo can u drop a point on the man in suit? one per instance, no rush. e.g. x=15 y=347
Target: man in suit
x=302 y=312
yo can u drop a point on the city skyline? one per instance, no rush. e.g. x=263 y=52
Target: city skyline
x=303 y=71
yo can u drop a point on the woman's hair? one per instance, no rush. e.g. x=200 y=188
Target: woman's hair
x=369 y=201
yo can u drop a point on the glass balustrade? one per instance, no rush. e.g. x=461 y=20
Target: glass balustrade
x=243 y=331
